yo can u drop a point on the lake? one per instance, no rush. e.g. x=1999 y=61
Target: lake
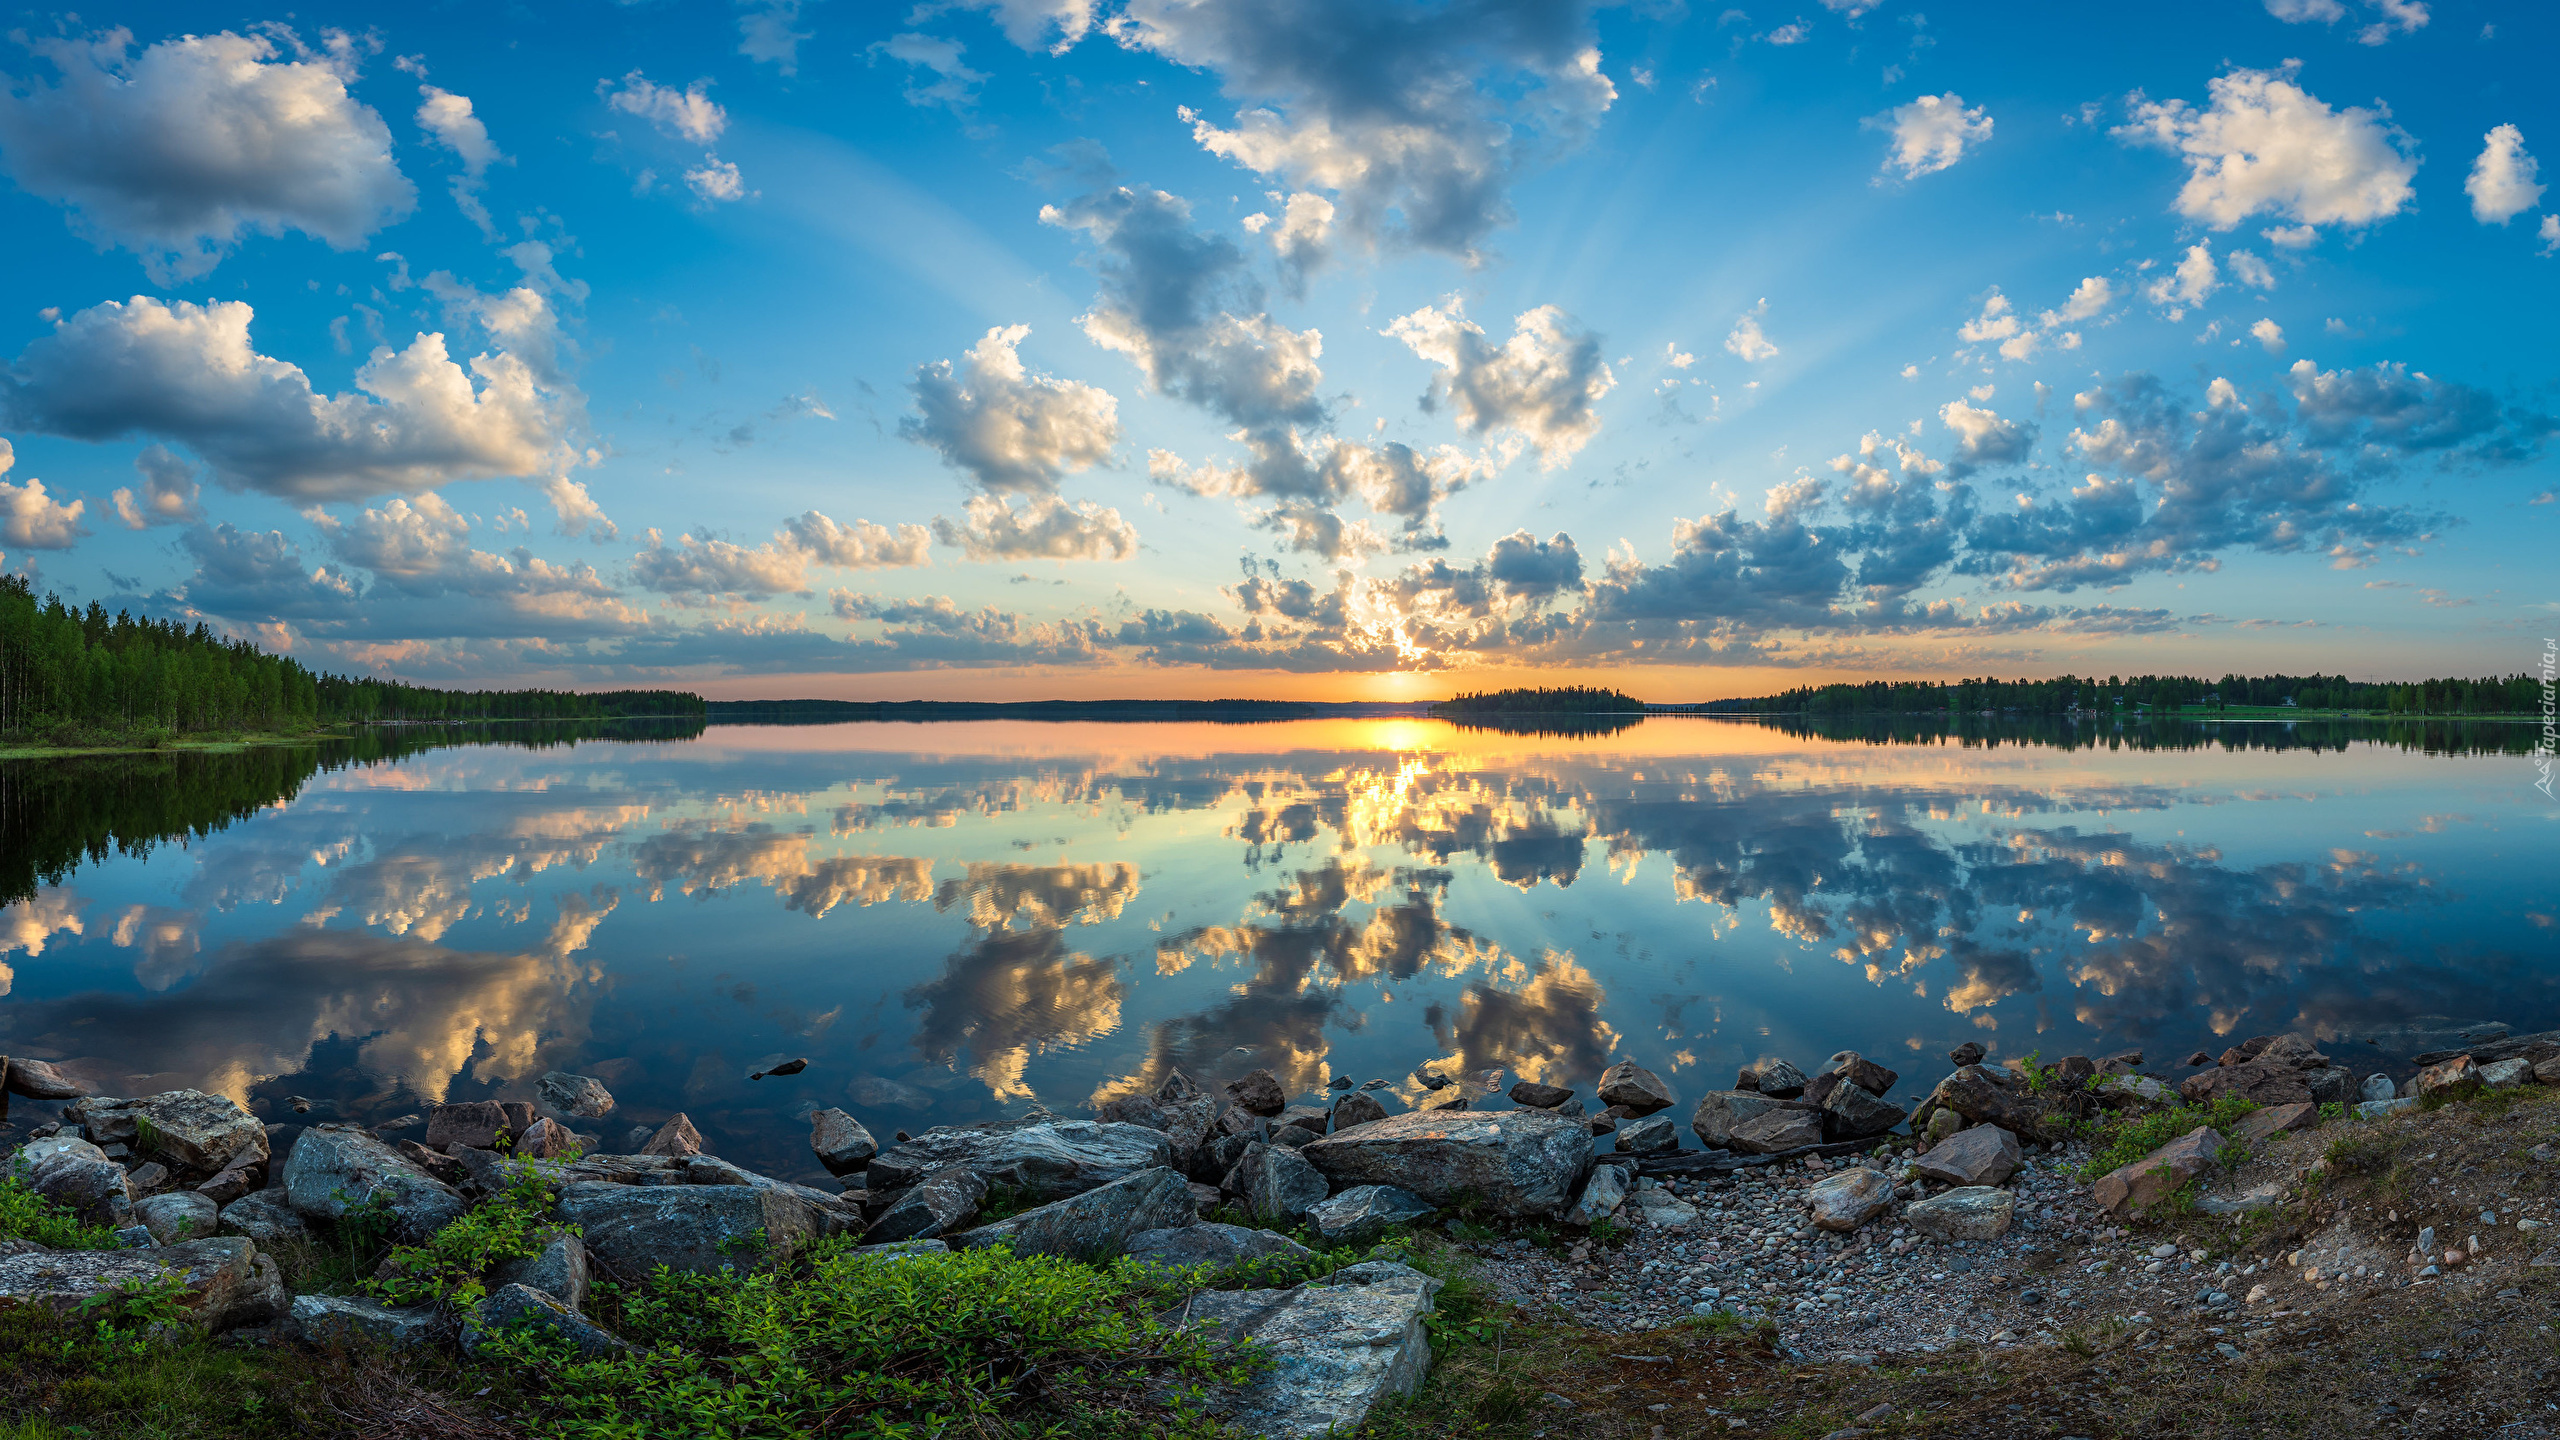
x=953 y=922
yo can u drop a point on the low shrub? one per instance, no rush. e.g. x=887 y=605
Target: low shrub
x=26 y=1215
x=2125 y=1138
x=453 y=1267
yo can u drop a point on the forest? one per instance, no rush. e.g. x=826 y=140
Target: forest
x=75 y=677
x=2510 y=695
x=1561 y=700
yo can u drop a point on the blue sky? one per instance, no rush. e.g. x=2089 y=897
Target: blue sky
x=1310 y=347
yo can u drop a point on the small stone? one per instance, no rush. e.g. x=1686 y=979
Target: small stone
x=1982 y=1155
x=1430 y=1080
x=1338 y=1082
x=1650 y=1135
x=1631 y=1086
x=1538 y=1096
x=228 y=1186
x=1976 y=1212
x=1968 y=1053
x=1781 y=1080
x=944 y=1202
x=677 y=1138
x=840 y=1142
x=1259 y=1093
x=1849 y=1199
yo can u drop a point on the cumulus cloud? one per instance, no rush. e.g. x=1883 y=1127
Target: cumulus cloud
x=953 y=85
x=2263 y=145
x=1747 y=339
x=1931 y=133
x=1393 y=478
x=766 y=33
x=173 y=152
x=1045 y=527
x=1011 y=431
x=253 y=573
x=1314 y=530
x=2549 y=235
x=1541 y=386
x=861 y=545
x=422 y=548
x=187 y=373
x=1029 y=24
x=1301 y=237
x=1533 y=570
x=448 y=118
x=2503 y=184
x=32 y=520
x=2191 y=282
x=2305 y=12
x=1415 y=118
x=700 y=567
x=169 y=491
x=2269 y=335
x=687 y=114
x=1983 y=438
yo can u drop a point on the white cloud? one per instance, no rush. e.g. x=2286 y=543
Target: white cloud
x=954 y=85
x=2195 y=278
x=1302 y=236
x=2304 y=12
x=2503 y=184
x=169 y=491
x=1043 y=528
x=1930 y=133
x=187 y=373
x=699 y=567
x=1013 y=431
x=174 y=152
x=1747 y=339
x=2292 y=237
x=716 y=180
x=687 y=114
x=1983 y=438
x=2407 y=16
x=1996 y=322
x=2251 y=271
x=2549 y=235
x=1315 y=530
x=448 y=118
x=31 y=519
x=1677 y=358
x=861 y=545
x=1540 y=385
x=2270 y=335
x=766 y=36
x=1027 y=23
x=2266 y=147
x=2090 y=299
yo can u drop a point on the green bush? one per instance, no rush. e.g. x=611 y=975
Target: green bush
x=452 y=1268
x=26 y=1215
x=2126 y=1138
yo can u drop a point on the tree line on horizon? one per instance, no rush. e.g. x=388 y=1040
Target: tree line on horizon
x=2509 y=695
x=1557 y=700
x=69 y=675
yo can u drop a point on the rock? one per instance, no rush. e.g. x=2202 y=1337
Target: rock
x=2547 y=1072
x=266 y=1217
x=2506 y=1074
x=944 y=1202
x=476 y=1124
x=225 y=1282
x=545 y=1139
x=1855 y=1113
x=1046 y=1160
x=1430 y=1079
x=36 y=1080
x=1338 y=1346
x=2258 y=1126
x=444 y=1167
x=559 y=1270
x=1308 y=1117
x=1359 y=1108
x=2376 y=1109
x=1720 y=1110
x=1601 y=1196
x=177 y=1216
x=1539 y=1097
x=840 y=1142
x=696 y=1229
x=79 y=1177
x=1819 y=1088
x=1097 y=1224
x=1648 y=1136
x=1274 y=1182
x=1976 y=1212
x=575 y=1096
x=195 y=1133
x=228 y=1186
x=1259 y=1093
x=1776 y=1131
x=2292 y=1050
x=2076 y=1070
x=1983 y=1155
x=1232 y=1122
x=676 y=1137
x=1181 y=1247
x=1943 y=1123
x=2379 y=1087
x=787 y=1067
x=512 y=1306
x=1365 y=1212
x=341 y=1319
x=2139 y=1087
x=146 y=1178
x=1864 y=1073
x=1980 y=1098
x=337 y=1167
x=2330 y=1086
x=1292 y=1136
x=1968 y=1053
x=1513 y=1162
x=2448 y=1079
x=1638 y=1090
x=1454 y=1102
x=1845 y=1201
x=2146 y=1182
x=1781 y=1080
x=2266 y=1080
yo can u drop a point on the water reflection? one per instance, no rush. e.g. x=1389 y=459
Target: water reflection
x=954 y=921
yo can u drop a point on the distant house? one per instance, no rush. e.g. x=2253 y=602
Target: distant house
x=2288 y=702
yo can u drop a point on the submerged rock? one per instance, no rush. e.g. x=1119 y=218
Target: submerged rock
x=1097 y=1224
x=1339 y=1346
x=1513 y=1162
x=36 y=1080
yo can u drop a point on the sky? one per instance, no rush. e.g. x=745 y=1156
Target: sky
x=1357 y=349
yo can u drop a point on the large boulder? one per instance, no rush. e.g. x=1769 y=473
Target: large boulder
x=578 y=1097
x=1601 y=1196
x=2265 y=1080
x=223 y=1283
x=698 y=1229
x=1259 y=1093
x=513 y=1307
x=1049 y=1160
x=337 y=1168
x=1539 y=1096
x=559 y=1269
x=477 y=1124
x=2146 y=1182
x=1365 y=1212
x=1852 y=1113
x=1720 y=1110
x=1182 y=1246
x=1777 y=1132
x=1985 y=1098
x=1275 y=1183
x=36 y=1080
x=1976 y=1212
x=1845 y=1201
x=1338 y=1346
x=1983 y=1155
x=195 y=1134
x=265 y=1216
x=344 y=1319
x=79 y=1177
x=1514 y=1162
x=840 y=1142
x=1097 y=1224
x=1638 y=1090
x=178 y=1215
x=942 y=1204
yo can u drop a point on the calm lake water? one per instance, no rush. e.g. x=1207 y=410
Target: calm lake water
x=954 y=921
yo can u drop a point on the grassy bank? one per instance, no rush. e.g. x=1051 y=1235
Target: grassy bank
x=158 y=743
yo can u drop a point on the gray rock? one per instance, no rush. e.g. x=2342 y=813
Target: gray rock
x=1983 y=1155
x=1181 y=1247
x=1855 y=1114
x=1357 y=1108
x=2378 y=1086
x=1274 y=1182
x=342 y=1319
x=903 y=1249
x=477 y=1124
x=2141 y=1087
x=1968 y=1053
x=79 y=1177
x=1638 y=1090
x=1097 y=1224
x=1365 y=1212
x=1513 y=1162
x=945 y=1202
x=698 y=1229
x=2504 y=1074
x=1976 y=1212
x=513 y=1306
x=1845 y=1201
x=1539 y=1097
x=1781 y=1080
x=1259 y=1093
x=575 y=1096
x=335 y=1168
x=1650 y=1135
x=2376 y=1109
x=1601 y=1196
x=1339 y=1346
x=2331 y=1086
x=1293 y=1136
x=676 y=1138
x=1778 y=1131
x=1720 y=1110
x=196 y=1134
x=1311 y=1117
x=840 y=1142
x=38 y=1081
x=178 y=1215
x=1046 y=1160
x=226 y=1282
x=266 y=1217
x=559 y=1270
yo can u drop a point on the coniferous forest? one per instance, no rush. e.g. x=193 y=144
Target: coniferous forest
x=74 y=677
x=2509 y=695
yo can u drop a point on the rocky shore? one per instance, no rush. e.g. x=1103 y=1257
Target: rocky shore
x=2004 y=1208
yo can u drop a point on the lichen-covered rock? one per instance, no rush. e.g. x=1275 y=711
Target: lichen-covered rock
x=264 y=1216
x=1601 y=1196
x=1181 y=1247
x=1720 y=1110
x=2448 y=1079
x=2146 y=1182
x=1338 y=1346
x=1513 y=1162
x=1365 y=1212
x=335 y=1168
x=341 y=1319
x=1097 y=1224
x=698 y=1229
x=559 y=1270
x=840 y=1142
x=178 y=1215
x=512 y=1306
x=1647 y=1136
x=1638 y=1090
x=944 y=1202
x=79 y=1177
x=1275 y=1183
x=1845 y=1201
x=1777 y=1131
x=1983 y=1155
x=225 y=1283
x=575 y=1096
x=1976 y=1212
x=2266 y=1080
x=195 y=1134
x=1047 y=1160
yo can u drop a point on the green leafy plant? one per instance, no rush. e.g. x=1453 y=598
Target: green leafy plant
x=138 y=1304
x=2127 y=1138
x=26 y=1215
x=452 y=1267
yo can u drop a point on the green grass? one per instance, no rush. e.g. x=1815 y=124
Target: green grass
x=2128 y=1137
x=26 y=1215
x=453 y=1267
